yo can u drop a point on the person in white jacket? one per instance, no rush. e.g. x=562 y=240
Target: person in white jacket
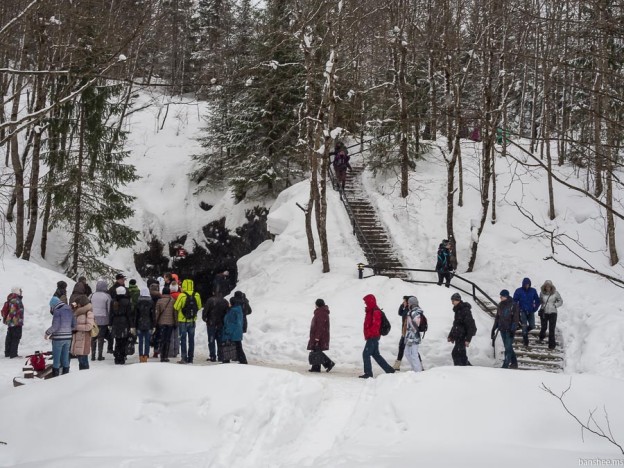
x=550 y=301
x=412 y=336
x=101 y=302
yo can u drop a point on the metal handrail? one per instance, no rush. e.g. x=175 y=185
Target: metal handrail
x=472 y=291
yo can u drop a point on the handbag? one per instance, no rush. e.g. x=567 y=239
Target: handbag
x=95 y=331
x=130 y=345
x=228 y=351
x=316 y=358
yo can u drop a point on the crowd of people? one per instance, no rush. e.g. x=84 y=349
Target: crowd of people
x=163 y=317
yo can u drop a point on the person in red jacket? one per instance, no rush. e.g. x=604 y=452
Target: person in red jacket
x=372 y=332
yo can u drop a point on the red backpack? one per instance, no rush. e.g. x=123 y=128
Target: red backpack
x=5 y=311
x=37 y=361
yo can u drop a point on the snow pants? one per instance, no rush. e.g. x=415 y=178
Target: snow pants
x=411 y=353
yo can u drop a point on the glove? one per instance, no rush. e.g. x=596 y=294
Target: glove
x=133 y=331
x=153 y=331
x=110 y=329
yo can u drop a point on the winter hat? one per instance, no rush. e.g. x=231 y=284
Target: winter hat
x=456 y=297
x=120 y=291
x=132 y=282
x=154 y=287
x=61 y=285
x=144 y=292
x=504 y=293
x=319 y=303
x=119 y=276
x=412 y=301
x=173 y=287
x=16 y=290
x=54 y=302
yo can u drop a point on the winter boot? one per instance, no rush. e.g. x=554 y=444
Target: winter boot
x=397 y=365
x=55 y=372
x=93 y=355
x=100 y=357
x=155 y=356
x=65 y=370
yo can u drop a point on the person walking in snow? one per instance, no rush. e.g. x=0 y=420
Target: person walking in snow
x=101 y=303
x=462 y=331
x=372 y=333
x=187 y=305
x=403 y=310
x=81 y=339
x=341 y=164
x=13 y=318
x=506 y=322
x=444 y=265
x=213 y=314
x=121 y=323
x=319 y=336
x=233 y=329
x=166 y=321
x=60 y=332
x=550 y=301
x=527 y=299
x=145 y=322
x=412 y=336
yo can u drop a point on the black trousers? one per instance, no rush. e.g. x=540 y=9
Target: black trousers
x=165 y=341
x=97 y=343
x=459 y=354
x=401 y=349
x=13 y=337
x=121 y=347
x=326 y=363
x=444 y=275
x=548 y=321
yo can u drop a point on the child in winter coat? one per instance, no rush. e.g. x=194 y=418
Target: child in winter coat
x=13 y=318
x=145 y=322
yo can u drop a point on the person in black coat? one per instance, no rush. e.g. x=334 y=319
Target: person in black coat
x=463 y=330
x=122 y=323
x=506 y=322
x=214 y=311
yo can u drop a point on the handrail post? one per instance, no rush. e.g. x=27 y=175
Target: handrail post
x=360 y=267
x=474 y=292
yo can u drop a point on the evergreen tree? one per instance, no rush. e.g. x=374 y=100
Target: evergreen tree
x=252 y=131
x=85 y=178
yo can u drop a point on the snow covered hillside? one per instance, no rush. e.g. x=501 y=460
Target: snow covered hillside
x=273 y=413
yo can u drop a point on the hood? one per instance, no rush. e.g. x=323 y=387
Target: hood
x=13 y=296
x=144 y=292
x=370 y=301
x=526 y=283
x=324 y=308
x=548 y=284
x=412 y=302
x=188 y=286
x=101 y=286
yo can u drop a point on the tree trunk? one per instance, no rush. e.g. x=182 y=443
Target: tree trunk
x=73 y=270
x=18 y=170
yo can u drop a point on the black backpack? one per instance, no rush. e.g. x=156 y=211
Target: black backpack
x=424 y=326
x=385 y=324
x=190 y=309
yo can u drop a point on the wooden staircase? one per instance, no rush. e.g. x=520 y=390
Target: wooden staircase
x=371 y=234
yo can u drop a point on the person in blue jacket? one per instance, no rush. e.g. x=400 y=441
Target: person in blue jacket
x=233 y=328
x=529 y=302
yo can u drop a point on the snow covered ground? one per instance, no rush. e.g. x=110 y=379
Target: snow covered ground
x=272 y=413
